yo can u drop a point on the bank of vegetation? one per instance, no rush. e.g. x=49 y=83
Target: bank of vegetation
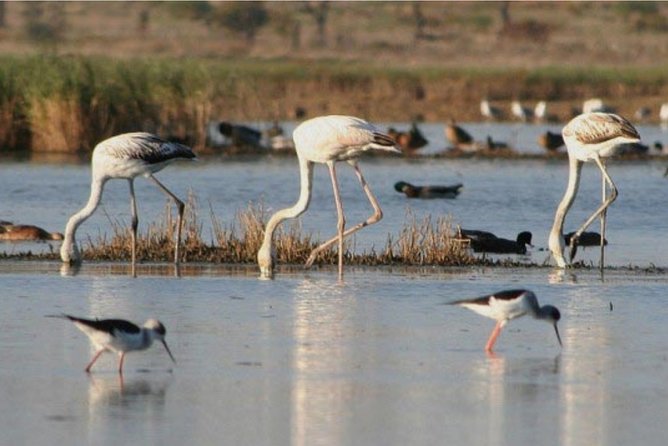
x=420 y=242
x=69 y=103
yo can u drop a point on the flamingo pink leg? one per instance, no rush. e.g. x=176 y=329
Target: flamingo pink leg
x=492 y=338
x=377 y=216
x=92 y=361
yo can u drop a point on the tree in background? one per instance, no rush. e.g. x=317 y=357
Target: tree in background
x=245 y=18
x=45 y=22
x=420 y=21
x=2 y=14
x=319 y=10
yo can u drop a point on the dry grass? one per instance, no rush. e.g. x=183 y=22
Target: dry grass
x=418 y=243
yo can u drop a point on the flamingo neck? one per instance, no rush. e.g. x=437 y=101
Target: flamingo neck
x=265 y=254
x=556 y=240
x=69 y=251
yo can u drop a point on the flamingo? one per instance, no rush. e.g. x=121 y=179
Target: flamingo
x=327 y=140
x=589 y=137
x=126 y=156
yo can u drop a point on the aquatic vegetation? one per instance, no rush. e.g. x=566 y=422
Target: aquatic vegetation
x=424 y=242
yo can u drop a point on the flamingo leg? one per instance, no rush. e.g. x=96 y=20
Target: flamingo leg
x=341 y=222
x=377 y=215
x=135 y=220
x=179 y=225
x=603 y=218
x=492 y=337
x=599 y=212
x=92 y=361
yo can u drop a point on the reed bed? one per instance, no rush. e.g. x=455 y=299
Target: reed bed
x=70 y=103
x=419 y=242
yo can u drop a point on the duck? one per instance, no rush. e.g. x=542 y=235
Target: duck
x=409 y=141
x=495 y=145
x=483 y=241
x=551 y=141
x=412 y=191
x=12 y=232
x=241 y=135
x=457 y=135
x=587 y=238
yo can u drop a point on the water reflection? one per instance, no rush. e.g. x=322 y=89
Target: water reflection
x=115 y=396
x=322 y=311
x=512 y=387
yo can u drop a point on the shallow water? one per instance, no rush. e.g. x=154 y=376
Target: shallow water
x=307 y=360
x=502 y=196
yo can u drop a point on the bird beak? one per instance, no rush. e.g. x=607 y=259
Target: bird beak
x=556 y=330
x=174 y=360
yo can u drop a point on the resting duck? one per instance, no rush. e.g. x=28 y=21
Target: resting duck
x=27 y=233
x=551 y=141
x=483 y=241
x=428 y=191
x=457 y=135
x=409 y=141
x=586 y=239
x=240 y=135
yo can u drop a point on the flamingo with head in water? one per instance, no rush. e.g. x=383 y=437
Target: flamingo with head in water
x=328 y=140
x=589 y=137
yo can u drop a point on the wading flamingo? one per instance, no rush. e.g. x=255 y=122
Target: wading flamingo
x=588 y=137
x=327 y=140
x=126 y=156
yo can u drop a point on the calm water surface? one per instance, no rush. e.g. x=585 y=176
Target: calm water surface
x=306 y=360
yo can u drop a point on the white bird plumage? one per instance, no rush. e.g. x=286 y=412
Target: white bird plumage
x=327 y=140
x=489 y=111
x=126 y=156
x=505 y=306
x=521 y=112
x=119 y=336
x=589 y=137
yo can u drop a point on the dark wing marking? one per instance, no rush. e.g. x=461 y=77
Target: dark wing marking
x=148 y=147
x=107 y=325
x=383 y=139
x=484 y=300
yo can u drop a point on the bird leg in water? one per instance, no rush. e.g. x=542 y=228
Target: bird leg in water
x=120 y=363
x=92 y=361
x=377 y=215
x=599 y=212
x=492 y=337
x=134 y=223
x=181 y=207
x=341 y=223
